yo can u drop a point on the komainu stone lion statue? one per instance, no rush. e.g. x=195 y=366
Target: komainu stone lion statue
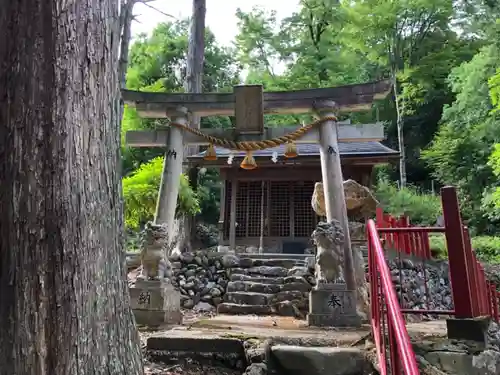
x=154 y=245
x=329 y=239
x=360 y=204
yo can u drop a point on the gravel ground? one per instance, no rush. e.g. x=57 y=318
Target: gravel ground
x=189 y=369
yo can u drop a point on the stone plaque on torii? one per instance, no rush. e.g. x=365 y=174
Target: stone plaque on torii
x=248 y=103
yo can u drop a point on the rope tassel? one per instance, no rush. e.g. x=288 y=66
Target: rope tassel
x=210 y=154
x=291 y=150
x=248 y=162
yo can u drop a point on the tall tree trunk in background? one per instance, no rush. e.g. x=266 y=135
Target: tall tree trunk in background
x=194 y=84
x=126 y=17
x=400 y=131
x=64 y=301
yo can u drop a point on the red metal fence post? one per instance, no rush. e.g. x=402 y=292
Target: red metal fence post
x=459 y=273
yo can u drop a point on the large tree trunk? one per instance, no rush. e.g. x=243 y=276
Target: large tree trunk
x=64 y=302
x=194 y=84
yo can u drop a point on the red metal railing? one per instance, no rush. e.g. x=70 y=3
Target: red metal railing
x=473 y=295
x=394 y=349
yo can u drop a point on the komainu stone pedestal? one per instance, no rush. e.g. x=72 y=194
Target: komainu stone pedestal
x=155 y=303
x=332 y=305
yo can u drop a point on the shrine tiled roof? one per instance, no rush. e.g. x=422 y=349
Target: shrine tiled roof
x=359 y=149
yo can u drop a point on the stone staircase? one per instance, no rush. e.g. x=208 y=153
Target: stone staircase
x=270 y=284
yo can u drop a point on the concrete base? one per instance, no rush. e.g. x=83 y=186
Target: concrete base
x=153 y=318
x=155 y=303
x=328 y=320
x=332 y=305
x=468 y=329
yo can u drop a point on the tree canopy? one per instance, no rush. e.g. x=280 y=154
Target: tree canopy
x=443 y=57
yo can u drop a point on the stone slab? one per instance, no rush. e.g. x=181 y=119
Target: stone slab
x=243 y=309
x=196 y=345
x=320 y=360
x=214 y=351
x=332 y=305
x=468 y=329
x=266 y=327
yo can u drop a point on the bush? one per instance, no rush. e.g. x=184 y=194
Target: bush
x=487 y=248
x=140 y=191
x=438 y=246
x=421 y=208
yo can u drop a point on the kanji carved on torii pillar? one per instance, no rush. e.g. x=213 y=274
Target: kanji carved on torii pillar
x=249 y=104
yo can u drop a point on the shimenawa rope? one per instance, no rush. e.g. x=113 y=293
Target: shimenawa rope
x=256 y=145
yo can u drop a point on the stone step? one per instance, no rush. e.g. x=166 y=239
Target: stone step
x=257 y=279
x=278 y=256
x=239 y=309
x=262 y=270
x=279 y=262
x=249 y=286
x=248 y=298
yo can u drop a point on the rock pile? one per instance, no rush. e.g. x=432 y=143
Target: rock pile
x=422 y=287
x=202 y=277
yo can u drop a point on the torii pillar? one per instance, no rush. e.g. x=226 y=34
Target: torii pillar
x=172 y=170
x=333 y=182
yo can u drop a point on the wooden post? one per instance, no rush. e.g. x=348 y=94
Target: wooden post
x=333 y=183
x=172 y=170
x=262 y=217
x=459 y=273
x=222 y=214
x=232 y=214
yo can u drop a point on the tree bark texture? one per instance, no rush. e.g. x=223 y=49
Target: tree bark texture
x=194 y=84
x=196 y=52
x=64 y=302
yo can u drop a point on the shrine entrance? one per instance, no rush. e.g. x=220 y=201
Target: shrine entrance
x=294 y=248
x=281 y=192
x=248 y=104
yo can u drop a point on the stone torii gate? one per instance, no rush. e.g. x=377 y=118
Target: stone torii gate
x=248 y=103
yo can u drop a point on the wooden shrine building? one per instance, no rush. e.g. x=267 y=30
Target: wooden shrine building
x=278 y=194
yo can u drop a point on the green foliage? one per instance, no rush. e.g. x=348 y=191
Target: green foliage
x=140 y=191
x=157 y=63
x=438 y=246
x=491 y=199
x=209 y=189
x=423 y=209
x=487 y=248
x=494 y=83
x=449 y=83
x=459 y=153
